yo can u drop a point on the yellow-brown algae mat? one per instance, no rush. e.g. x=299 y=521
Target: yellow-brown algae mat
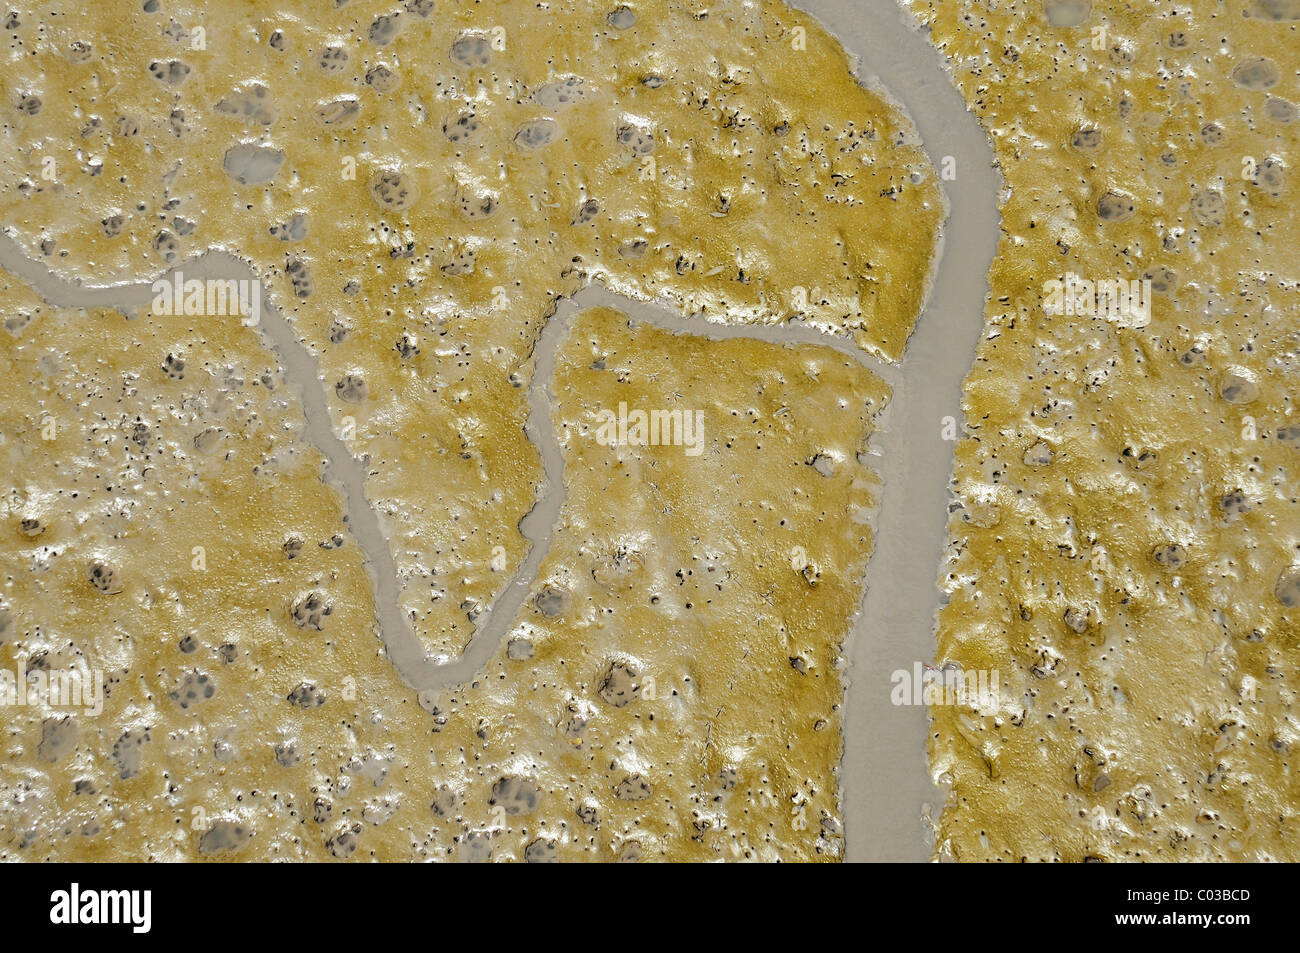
x=417 y=187
x=1126 y=554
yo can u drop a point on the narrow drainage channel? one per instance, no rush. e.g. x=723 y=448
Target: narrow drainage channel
x=345 y=471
